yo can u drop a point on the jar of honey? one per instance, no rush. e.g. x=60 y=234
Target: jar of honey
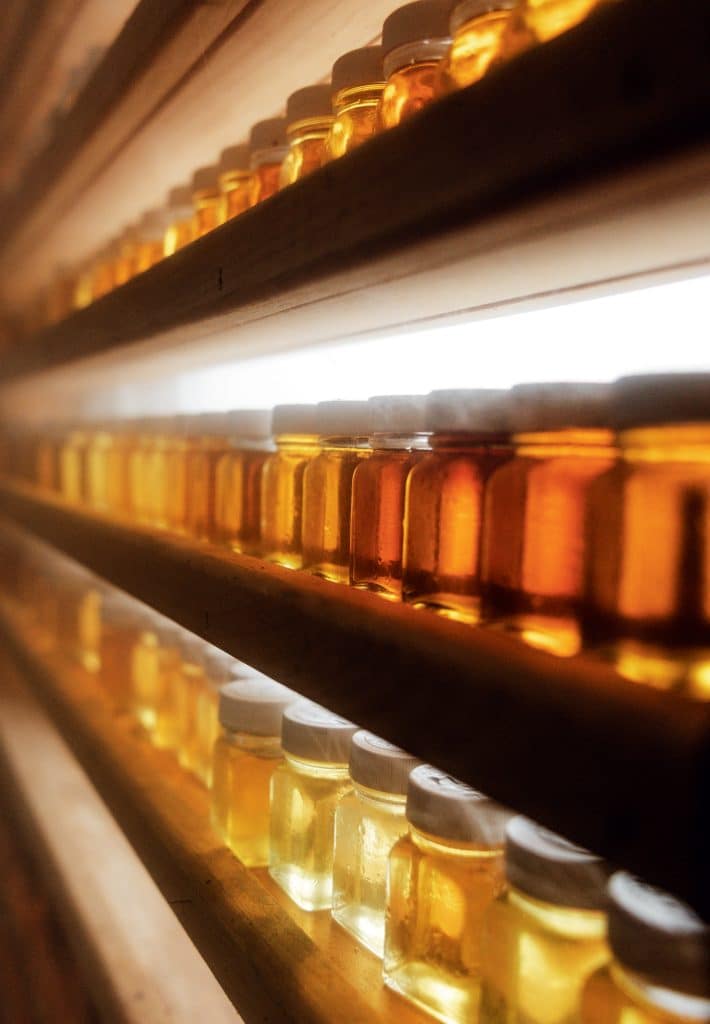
x=181 y=227
x=268 y=147
x=309 y=117
x=478 y=29
x=234 y=181
x=206 y=200
x=357 y=83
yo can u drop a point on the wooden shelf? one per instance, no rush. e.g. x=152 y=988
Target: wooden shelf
x=278 y=965
x=581 y=166
x=566 y=741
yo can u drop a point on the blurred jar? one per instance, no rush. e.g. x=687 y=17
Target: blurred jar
x=234 y=181
x=238 y=480
x=126 y=265
x=151 y=232
x=356 y=88
x=309 y=117
x=181 y=220
x=545 y=19
x=478 y=29
x=268 y=147
x=206 y=200
x=415 y=40
x=72 y=466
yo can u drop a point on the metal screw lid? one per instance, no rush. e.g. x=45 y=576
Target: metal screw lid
x=268 y=134
x=234 y=158
x=295 y=419
x=397 y=414
x=467 y=10
x=254 y=705
x=448 y=809
x=557 y=406
x=415 y=22
x=206 y=178
x=481 y=410
x=358 y=67
x=348 y=419
x=380 y=765
x=547 y=867
x=311 y=101
x=653 y=399
x=316 y=734
x=250 y=424
x=657 y=936
x=179 y=198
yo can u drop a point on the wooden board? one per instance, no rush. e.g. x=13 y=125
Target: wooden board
x=549 y=737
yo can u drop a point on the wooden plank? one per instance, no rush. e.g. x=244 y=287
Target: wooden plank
x=553 y=204
x=279 y=964
x=549 y=737
x=140 y=964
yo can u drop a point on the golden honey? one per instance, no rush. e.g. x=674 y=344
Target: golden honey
x=327 y=488
x=126 y=265
x=268 y=147
x=357 y=84
x=181 y=220
x=103 y=279
x=368 y=822
x=305 y=790
x=107 y=469
x=237 y=520
x=72 y=466
x=234 y=181
x=200 y=721
x=139 y=485
x=155 y=656
x=478 y=28
x=309 y=117
x=295 y=431
x=415 y=40
x=647 y=604
x=46 y=471
x=202 y=458
x=546 y=19
x=206 y=201
x=661 y=954
x=246 y=755
x=176 y=707
x=546 y=933
x=443 y=876
x=83 y=294
x=532 y=566
x=151 y=232
x=121 y=623
x=444 y=501
x=377 y=527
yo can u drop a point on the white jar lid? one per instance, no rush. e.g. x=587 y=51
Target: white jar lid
x=316 y=734
x=547 y=867
x=444 y=807
x=254 y=705
x=380 y=765
x=397 y=414
x=484 y=410
x=295 y=419
x=559 y=406
x=344 y=419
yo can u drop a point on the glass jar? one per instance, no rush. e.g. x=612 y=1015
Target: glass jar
x=368 y=822
x=206 y=200
x=546 y=933
x=234 y=181
x=268 y=147
x=533 y=547
x=327 y=488
x=237 y=520
x=181 y=220
x=305 y=790
x=138 y=480
x=174 y=707
x=107 y=468
x=397 y=440
x=647 y=601
x=150 y=234
x=660 y=971
x=415 y=40
x=356 y=86
x=155 y=468
x=202 y=727
x=72 y=466
x=545 y=19
x=443 y=876
x=295 y=429
x=154 y=657
x=445 y=497
x=121 y=623
x=246 y=755
x=126 y=265
x=478 y=29
x=211 y=432
x=309 y=117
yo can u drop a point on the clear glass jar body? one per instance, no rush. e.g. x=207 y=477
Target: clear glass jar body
x=46 y=472
x=148 y=253
x=304 y=795
x=546 y=19
x=306 y=150
x=356 y=119
x=537 y=957
x=86 y=647
x=176 y=481
x=237 y=520
x=175 y=711
x=107 y=485
x=152 y=666
x=242 y=768
x=367 y=825
x=414 y=82
x=138 y=482
x=533 y=547
x=614 y=995
x=117 y=643
x=206 y=731
x=648 y=578
x=282 y=498
x=327 y=503
x=207 y=204
x=443 y=522
x=236 y=189
x=156 y=479
x=266 y=174
x=72 y=467
x=179 y=234
x=439 y=892
x=201 y=471
x=377 y=525
x=477 y=46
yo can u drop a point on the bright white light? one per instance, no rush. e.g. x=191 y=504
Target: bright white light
x=655 y=329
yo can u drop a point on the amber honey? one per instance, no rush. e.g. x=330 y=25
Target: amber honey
x=533 y=549
x=151 y=232
x=181 y=222
x=202 y=458
x=648 y=589
x=327 y=488
x=121 y=623
x=107 y=469
x=126 y=265
x=478 y=29
x=546 y=19
x=155 y=470
x=377 y=528
x=234 y=181
x=357 y=84
x=415 y=40
x=206 y=200
x=72 y=466
x=237 y=521
x=154 y=658
x=46 y=460
x=309 y=117
x=295 y=430
x=175 y=710
x=444 y=501
x=268 y=147
x=138 y=461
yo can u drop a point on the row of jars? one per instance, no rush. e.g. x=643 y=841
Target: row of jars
x=429 y=48
x=573 y=516
x=477 y=915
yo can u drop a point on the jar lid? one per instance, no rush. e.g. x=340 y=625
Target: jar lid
x=557 y=406
x=251 y=424
x=268 y=134
x=444 y=807
x=316 y=734
x=655 y=398
x=349 y=419
x=254 y=705
x=485 y=410
x=152 y=225
x=397 y=414
x=547 y=867
x=206 y=178
x=179 y=198
x=234 y=158
x=380 y=765
x=311 y=101
x=467 y=10
x=416 y=22
x=657 y=936
x=295 y=419
x=357 y=67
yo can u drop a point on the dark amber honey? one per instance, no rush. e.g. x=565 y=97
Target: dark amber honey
x=238 y=481
x=415 y=41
